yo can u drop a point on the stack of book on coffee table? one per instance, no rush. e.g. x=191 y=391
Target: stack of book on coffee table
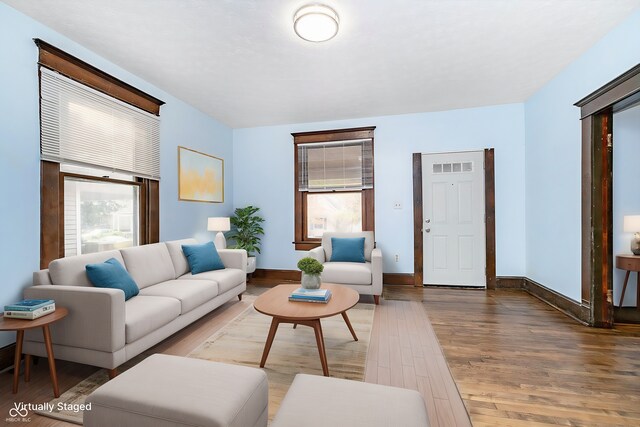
x=310 y=295
x=30 y=309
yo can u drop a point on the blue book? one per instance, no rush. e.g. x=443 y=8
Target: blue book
x=28 y=305
x=324 y=296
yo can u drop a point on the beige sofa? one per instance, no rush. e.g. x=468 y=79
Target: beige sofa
x=364 y=277
x=102 y=329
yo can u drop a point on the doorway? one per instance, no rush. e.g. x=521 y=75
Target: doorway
x=453 y=212
x=472 y=263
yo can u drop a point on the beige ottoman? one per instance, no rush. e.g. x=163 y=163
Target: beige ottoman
x=164 y=391
x=331 y=402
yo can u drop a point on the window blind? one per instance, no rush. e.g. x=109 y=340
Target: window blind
x=82 y=126
x=335 y=166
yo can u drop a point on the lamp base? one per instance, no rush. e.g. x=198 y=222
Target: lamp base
x=635 y=244
x=220 y=242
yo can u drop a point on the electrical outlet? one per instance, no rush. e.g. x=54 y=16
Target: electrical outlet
x=397 y=205
x=397 y=257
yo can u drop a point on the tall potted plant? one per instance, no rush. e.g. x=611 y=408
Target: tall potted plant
x=246 y=229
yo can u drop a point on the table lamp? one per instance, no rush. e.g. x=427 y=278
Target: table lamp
x=632 y=225
x=221 y=224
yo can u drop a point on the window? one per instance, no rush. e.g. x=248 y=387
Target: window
x=100 y=159
x=334 y=183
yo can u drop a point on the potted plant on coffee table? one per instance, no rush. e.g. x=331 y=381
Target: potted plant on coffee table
x=246 y=229
x=311 y=270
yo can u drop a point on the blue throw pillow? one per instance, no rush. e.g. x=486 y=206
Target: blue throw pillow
x=202 y=258
x=111 y=274
x=349 y=249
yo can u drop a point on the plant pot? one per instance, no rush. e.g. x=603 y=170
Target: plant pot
x=310 y=281
x=251 y=264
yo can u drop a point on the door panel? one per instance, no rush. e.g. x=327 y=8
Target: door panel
x=453 y=212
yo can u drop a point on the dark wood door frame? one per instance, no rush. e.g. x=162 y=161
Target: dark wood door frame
x=489 y=211
x=596 y=113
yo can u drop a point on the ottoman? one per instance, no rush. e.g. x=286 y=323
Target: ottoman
x=164 y=391
x=314 y=401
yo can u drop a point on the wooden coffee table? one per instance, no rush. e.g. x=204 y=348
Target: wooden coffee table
x=21 y=325
x=275 y=303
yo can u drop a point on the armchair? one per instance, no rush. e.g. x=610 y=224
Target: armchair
x=366 y=278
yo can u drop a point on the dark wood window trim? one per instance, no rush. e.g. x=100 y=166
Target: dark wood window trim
x=68 y=65
x=596 y=113
x=489 y=212
x=301 y=242
x=52 y=179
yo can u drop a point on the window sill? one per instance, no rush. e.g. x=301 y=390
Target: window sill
x=306 y=246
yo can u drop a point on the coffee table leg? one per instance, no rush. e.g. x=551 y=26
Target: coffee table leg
x=317 y=328
x=16 y=360
x=346 y=320
x=52 y=362
x=267 y=346
x=27 y=368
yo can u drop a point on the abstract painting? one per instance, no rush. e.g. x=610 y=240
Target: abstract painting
x=200 y=177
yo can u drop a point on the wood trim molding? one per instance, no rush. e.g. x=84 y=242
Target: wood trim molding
x=490 y=218
x=273 y=274
x=68 y=65
x=51 y=207
x=490 y=222
x=333 y=135
x=623 y=86
x=398 y=279
x=418 y=250
x=7 y=354
x=569 y=307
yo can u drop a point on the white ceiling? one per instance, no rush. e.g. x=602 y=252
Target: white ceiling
x=240 y=61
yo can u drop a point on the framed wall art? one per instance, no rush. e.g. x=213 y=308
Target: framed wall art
x=200 y=177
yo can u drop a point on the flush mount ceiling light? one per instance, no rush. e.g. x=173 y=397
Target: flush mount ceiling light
x=316 y=23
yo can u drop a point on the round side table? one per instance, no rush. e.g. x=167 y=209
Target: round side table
x=21 y=325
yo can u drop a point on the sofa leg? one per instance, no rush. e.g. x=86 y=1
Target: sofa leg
x=376 y=299
x=240 y=297
x=112 y=373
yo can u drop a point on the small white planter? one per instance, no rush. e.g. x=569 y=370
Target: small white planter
x=251 y=264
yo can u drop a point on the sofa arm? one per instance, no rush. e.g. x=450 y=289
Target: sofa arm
x=376 y=271
x=95 y=320
x=234 y=258
x=317 y=254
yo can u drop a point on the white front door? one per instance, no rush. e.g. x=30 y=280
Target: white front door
x=453 y=213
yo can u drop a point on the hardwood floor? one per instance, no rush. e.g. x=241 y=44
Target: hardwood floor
x=515 y=360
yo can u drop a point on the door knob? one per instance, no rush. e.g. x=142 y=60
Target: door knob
x=427 y=230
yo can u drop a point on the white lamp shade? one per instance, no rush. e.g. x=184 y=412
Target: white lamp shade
x=219 y=224
x=632 y=223
x=316 y=23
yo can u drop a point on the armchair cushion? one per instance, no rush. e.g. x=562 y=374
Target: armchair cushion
x=347 y=249
x=353 y=273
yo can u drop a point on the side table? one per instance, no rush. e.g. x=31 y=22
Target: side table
x=21 y=325
x=629 y=263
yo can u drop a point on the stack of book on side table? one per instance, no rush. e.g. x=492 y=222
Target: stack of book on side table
x=30 y=309
x=311 y=295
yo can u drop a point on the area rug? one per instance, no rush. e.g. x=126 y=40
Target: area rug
x=241 y=342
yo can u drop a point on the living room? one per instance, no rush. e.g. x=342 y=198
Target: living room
x=235 y=82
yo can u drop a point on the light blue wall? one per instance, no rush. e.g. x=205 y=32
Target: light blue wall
x=264 y=173
x=553 y=153
x=626 y=197
x=19 y=152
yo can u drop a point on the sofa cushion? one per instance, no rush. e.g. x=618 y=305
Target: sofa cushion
x=111 y=274
x=145 y=314
x=369 y=242
x=180 y=264
x=190 y=293
x=353 y=273
x=202 y=258
x=149 y=264
x=71 y=271
x=347 y=249
x=226 y=279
